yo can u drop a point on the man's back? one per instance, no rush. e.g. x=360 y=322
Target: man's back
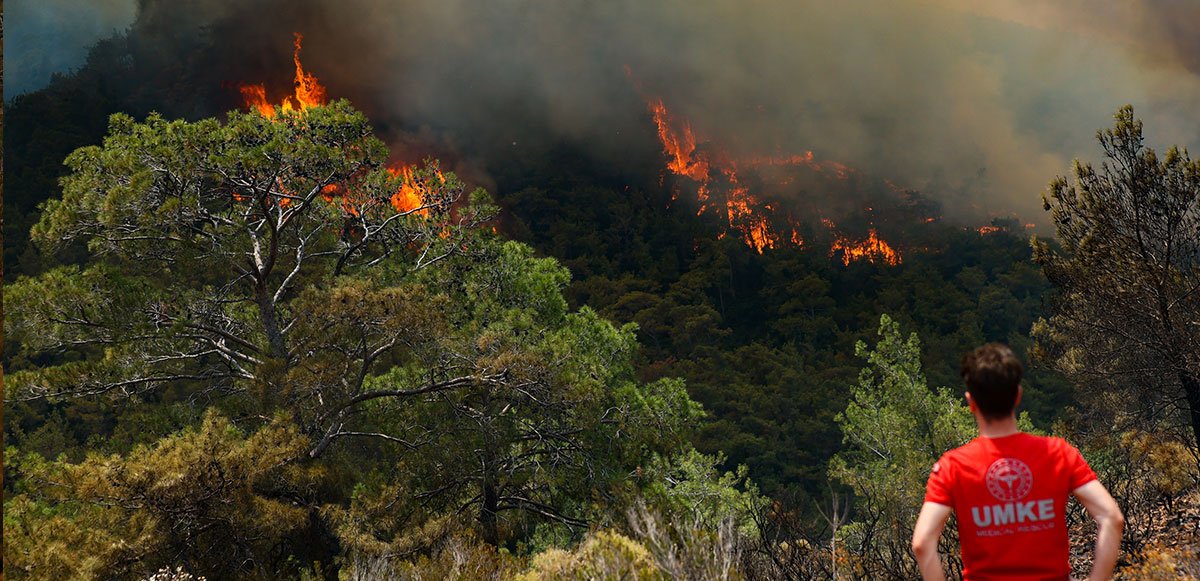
x=1010 y=495
x=1009 y=489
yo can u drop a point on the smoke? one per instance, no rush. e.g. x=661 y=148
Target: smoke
x=1161 y=31
x=978 y=107
x=49 y=36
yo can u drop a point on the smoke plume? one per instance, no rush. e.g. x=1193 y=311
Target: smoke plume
x=977 y=107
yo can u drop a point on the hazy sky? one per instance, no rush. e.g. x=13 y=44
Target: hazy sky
x=47 y=36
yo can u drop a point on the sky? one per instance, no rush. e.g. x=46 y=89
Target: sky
x=43 y=37
x=977 y=104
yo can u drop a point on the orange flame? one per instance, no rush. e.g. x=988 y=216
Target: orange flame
x=308 y=91
x=679 y=145
x=350 y=202
x=408 y=197
x=411 y=196
x=255 y=97
x=416 y=189
x=753 y=226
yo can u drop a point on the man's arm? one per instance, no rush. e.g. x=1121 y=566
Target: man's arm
x=1109 y=524
x=925 y=540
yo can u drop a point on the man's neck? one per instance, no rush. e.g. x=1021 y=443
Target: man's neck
x=997 y=428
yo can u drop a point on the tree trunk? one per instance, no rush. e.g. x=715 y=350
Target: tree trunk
x=489 y=482
x=1191 y=390
x=266 y=312
x=487 y=513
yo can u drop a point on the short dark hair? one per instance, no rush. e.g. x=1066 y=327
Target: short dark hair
x=992 y=374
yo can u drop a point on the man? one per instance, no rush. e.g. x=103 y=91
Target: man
x=1009 y=489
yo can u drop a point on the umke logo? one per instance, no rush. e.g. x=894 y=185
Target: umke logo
x=1009 y=479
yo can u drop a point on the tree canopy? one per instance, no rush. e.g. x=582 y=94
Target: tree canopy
x=361 y=343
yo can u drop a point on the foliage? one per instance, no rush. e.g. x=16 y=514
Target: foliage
x=243 y=219
x=896 y=428
x=690 y=488
x=1128 y=272
x=686 y=551
x=792 y=547
x=461 y=556
x=223 y=502
x=604 y=555
x=765 y=341
x=659 y=548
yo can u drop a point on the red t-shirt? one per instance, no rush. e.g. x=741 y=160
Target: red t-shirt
x=1010 y=495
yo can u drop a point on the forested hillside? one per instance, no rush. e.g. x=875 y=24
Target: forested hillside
x=267 y=344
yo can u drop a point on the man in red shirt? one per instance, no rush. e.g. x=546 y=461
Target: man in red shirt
x=1009 y=489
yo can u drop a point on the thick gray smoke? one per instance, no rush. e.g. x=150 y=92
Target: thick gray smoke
x=978 y=107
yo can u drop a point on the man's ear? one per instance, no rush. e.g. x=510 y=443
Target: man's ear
x=1017 y=401
x=971 y=403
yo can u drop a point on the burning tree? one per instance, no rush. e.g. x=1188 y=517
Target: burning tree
x=216 y=243
x=273 y=266
x=1128 y=316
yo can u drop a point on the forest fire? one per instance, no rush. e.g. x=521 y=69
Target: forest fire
x=722 y=182
x=757 y=222
x=413 y=196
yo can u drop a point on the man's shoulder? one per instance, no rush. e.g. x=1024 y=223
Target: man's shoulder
x=1049 y=443
x=1021 y=440
x=962 y=452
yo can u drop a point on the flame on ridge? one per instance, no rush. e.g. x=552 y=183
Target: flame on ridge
x=870 y=248
x=740 y=207
x=679 y=145
x=748 y=215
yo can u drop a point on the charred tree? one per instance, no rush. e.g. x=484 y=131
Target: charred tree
x=1127 y=316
